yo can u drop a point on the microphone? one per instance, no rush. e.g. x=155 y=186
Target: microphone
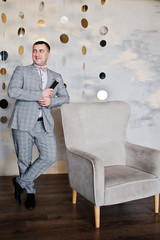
x=54 y=84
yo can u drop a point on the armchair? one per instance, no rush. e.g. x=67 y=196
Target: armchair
x=102 y=165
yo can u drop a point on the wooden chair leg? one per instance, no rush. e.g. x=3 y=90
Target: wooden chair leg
x=97 y=216
x=74 y=196
x=156 y=203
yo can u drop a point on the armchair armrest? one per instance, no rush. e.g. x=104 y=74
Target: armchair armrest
x=144 y=158
x=86 y=175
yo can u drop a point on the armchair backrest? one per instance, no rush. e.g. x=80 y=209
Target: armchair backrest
x=100 y=125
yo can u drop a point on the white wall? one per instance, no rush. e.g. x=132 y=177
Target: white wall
x=130 y=61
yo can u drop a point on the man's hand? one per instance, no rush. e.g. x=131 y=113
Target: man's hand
x=47 y=92
x=45 y=102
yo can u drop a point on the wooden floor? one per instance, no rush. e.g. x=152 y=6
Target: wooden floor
x=56 y=218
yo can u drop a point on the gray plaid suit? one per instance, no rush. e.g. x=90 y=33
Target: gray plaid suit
x=25 y=86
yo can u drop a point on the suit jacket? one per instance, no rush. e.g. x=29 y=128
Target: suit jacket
x=26 y=87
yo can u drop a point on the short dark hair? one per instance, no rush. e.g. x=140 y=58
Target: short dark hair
x=43 y=42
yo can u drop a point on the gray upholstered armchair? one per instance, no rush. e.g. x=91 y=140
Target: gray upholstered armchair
x=102 y=165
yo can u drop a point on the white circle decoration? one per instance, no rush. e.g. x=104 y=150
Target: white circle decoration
x=64 y=19
x=102 y=95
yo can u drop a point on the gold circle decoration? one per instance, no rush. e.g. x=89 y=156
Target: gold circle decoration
x=21 y=50
x=41 y=23
x=84 y=23
x=41 y=6
x=3 y=71
x=21 y=32
x=3 y=85
x=3 y=17
x=21 y=15
x=84 y=8
x=103 y=2
x=84 y=66
x=64 y=38
x=84 y=50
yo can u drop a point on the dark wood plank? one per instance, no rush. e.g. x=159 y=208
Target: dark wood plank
x=55 y=218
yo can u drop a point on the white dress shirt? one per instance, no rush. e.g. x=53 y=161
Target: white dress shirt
x=43 y=76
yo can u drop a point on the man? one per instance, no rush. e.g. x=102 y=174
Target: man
x=31 y=121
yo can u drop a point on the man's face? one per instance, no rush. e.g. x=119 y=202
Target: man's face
x=40 y=54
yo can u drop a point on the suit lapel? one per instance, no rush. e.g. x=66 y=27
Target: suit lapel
x=36 y=76
x=51 y=78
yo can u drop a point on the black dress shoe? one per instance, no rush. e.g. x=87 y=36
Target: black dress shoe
x=18 y=190
x=30 y=201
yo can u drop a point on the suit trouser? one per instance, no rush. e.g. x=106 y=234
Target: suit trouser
x=46 y=145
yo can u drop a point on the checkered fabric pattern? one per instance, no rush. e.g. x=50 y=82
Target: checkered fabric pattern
x=26 y=87
x=24 y=141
